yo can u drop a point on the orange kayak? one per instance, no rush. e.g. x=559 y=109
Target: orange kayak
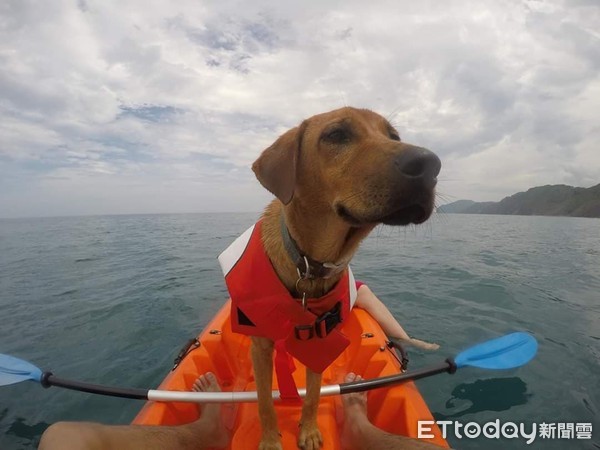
x=395 y=409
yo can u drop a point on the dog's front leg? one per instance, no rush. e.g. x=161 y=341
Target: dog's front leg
x=262 y=359
x=310 y=437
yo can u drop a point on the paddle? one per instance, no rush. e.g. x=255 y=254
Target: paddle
x=506 y=352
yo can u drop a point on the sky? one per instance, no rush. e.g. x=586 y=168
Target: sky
x=117 y=107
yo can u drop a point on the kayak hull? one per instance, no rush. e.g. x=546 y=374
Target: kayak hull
x=396 y=409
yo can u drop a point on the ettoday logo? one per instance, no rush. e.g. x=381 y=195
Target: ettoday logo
x=508 y=430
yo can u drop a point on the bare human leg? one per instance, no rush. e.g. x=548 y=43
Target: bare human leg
x=360 y=434
x=208 y=432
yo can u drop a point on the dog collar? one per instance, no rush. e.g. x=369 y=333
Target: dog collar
x=308 y=268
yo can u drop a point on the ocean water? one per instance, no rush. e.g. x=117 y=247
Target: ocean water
x=111 y=299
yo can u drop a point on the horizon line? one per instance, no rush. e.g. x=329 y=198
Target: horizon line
x=66 y=216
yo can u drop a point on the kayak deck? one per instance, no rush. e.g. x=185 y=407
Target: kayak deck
x=395 y=409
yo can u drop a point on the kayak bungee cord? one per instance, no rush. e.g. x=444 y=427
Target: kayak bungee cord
x=506 y=352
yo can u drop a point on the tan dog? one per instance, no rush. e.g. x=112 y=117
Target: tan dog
x=336 y=176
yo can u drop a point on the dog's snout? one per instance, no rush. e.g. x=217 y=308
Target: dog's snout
x=419 y=164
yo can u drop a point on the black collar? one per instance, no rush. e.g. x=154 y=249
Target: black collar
x=308 y=268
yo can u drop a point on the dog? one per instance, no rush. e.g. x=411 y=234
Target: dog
x=335 y=177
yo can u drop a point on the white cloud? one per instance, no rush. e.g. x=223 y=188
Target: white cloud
x=148 y=106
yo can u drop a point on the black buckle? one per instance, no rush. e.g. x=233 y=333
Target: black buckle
x=326 y=322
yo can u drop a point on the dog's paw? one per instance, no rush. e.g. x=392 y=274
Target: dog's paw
x=270 y=444
x=309 y=438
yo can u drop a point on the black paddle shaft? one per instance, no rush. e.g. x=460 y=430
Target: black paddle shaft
x=50 y=380
x=364 y=385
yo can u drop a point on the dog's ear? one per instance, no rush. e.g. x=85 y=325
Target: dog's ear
x=276 y=166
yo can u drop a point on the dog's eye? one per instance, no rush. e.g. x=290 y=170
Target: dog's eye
x=337 y=136
x=394 y=136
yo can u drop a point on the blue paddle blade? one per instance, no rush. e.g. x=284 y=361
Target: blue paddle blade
x=506 y=352
x=14 y=370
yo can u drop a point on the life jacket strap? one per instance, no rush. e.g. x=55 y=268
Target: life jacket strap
x=284 y=368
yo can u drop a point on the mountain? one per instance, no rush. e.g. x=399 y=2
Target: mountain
x=550 y=200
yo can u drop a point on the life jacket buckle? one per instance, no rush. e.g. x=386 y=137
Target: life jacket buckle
x=304 y=332
x=326 y=322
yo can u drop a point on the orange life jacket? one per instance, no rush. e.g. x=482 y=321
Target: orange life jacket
x=262 y=306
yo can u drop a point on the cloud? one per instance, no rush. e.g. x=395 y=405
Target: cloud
x=111 y=107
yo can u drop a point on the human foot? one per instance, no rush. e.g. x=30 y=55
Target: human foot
x=211 y=419
x=355 y=414
x=430 y=346
x=355 y=403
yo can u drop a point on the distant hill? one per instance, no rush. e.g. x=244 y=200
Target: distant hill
x=550 y=200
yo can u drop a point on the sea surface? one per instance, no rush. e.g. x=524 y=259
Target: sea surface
x=111 y=299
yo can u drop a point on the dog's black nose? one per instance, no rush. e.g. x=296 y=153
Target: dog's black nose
x=418 y=164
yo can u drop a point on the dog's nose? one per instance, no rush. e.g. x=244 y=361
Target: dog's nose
x=418 y=164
